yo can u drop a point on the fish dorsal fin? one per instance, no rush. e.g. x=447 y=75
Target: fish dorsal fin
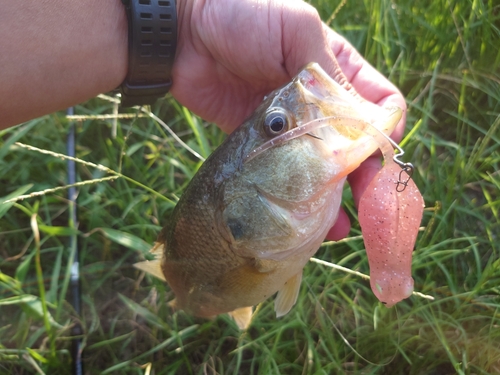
x=242 y=316
x=153 y=267
x=287 y=296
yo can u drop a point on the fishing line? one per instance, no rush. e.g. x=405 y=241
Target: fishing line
x=342 y=121
x=349 y=345
x=329 y=121
x=302 y=130
x=154 y=117
x=172 y=133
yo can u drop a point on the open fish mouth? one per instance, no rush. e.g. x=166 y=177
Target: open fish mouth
x=324 y=110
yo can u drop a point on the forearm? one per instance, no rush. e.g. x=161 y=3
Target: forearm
x=56 y=54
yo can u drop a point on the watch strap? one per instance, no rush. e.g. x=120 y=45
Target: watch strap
x=151 y=50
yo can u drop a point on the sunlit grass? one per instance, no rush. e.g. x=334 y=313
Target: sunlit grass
x=445 y=57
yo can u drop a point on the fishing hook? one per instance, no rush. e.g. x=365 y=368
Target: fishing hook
x=407 y=168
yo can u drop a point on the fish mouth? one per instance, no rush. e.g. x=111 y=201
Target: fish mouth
x=316 y=86
x=323 y=109
x=314 y=82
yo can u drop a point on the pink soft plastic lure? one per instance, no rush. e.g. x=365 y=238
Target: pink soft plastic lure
x=389 y=222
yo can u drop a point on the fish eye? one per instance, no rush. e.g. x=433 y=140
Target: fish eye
x=276 y=122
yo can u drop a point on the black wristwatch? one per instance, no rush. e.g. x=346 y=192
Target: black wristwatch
x=152 y=40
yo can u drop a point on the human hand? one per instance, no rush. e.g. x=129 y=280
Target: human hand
x=232 y=53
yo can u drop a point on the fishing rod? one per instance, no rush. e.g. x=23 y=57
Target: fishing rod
x=76 y=330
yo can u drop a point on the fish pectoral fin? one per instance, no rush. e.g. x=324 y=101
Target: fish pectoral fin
x=242 y=316
x=287 y=296
x=153 y=267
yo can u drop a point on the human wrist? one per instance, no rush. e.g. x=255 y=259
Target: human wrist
x=152 y=41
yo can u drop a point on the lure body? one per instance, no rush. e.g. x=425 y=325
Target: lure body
x=389 y=218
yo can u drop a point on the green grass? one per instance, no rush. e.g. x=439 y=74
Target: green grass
x=445 y=57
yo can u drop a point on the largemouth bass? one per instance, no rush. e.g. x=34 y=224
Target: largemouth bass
x=262 y=203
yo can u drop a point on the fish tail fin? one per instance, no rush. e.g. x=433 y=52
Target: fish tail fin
x=242 y=317
x=287 y=296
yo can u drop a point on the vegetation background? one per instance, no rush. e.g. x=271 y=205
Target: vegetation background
x=443 y=54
